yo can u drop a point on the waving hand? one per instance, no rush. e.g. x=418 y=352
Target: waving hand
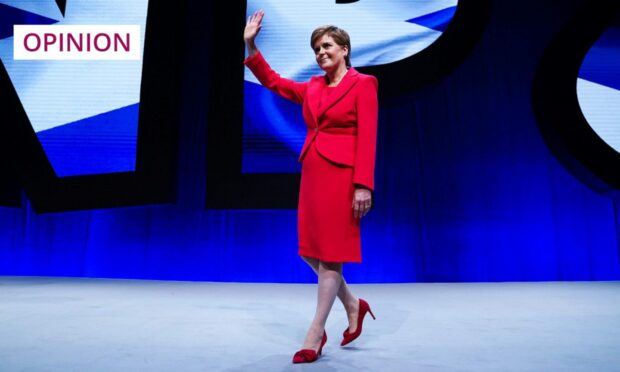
x=252 y=28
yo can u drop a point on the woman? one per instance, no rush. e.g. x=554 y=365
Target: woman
x=338 y=158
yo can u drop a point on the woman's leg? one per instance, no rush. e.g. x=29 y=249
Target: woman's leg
x=348 y=299
x=330 y=279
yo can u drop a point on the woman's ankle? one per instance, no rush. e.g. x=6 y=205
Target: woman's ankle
x=352 y=305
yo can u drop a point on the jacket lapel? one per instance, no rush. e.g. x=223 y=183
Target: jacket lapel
x=314 y=96
x=315 y=90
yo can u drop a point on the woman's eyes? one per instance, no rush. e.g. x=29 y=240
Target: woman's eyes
x=325 y=46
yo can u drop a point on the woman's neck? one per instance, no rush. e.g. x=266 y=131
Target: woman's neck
x=335 y=76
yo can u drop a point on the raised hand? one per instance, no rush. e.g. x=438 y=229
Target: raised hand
x=252 y=27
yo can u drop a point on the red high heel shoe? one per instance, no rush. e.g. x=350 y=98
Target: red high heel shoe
x=347 y=336
x=309 y=355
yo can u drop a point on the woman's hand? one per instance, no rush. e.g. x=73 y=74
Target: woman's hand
x=252 y=28
x=362 y=201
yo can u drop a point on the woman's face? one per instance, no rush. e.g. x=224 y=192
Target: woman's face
x=329 y=55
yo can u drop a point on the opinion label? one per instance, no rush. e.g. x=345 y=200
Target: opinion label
x=76 y=42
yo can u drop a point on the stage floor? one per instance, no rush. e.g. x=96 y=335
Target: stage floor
x=81 y=324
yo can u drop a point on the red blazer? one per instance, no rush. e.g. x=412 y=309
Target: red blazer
x=344 y=128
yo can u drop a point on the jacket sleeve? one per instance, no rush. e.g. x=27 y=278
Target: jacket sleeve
x=367 y=116
x=286 y=88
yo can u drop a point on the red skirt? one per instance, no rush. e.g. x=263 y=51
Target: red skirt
x=327 y=229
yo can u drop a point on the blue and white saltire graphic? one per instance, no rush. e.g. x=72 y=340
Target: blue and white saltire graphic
x=74 y=104
x=381 y=32
x=45 y=8
x=598 y=87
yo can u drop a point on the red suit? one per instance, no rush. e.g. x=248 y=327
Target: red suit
x=337 y=156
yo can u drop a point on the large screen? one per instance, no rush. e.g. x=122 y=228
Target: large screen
x=84 y=112
x=381 y=32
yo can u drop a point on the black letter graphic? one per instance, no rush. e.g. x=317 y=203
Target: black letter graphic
x=559 y=116
x=152 y=182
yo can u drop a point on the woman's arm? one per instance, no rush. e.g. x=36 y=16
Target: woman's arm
x=367 y=116
x=255 y=61
x=364 y=169
x=286 y=88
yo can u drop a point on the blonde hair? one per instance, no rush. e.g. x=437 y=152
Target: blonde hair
x=340 y=36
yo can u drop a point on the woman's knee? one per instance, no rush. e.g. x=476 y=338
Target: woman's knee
x=330 y=266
